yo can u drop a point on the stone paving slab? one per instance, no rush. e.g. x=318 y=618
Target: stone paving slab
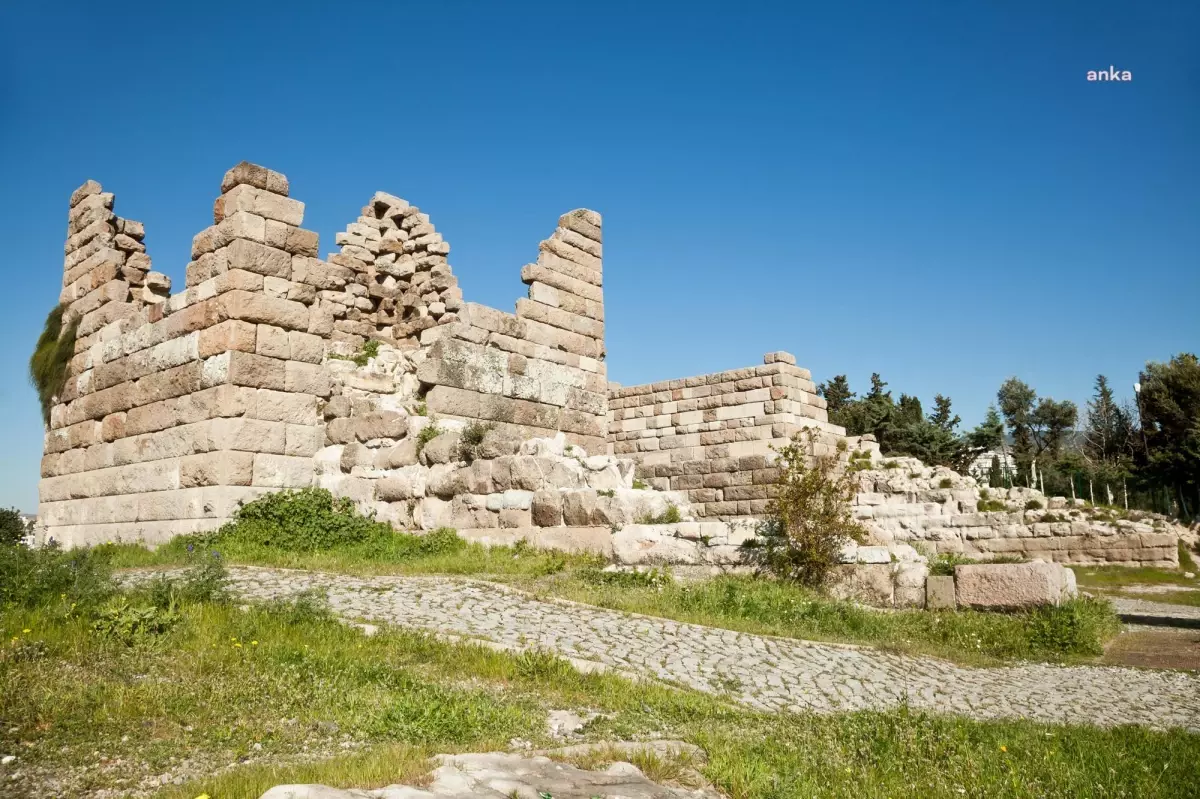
x=762 y=672
x=1144 y=611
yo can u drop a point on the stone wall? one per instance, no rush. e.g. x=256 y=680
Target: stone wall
x=711 y=436
x=178 y=407
x=938 y=510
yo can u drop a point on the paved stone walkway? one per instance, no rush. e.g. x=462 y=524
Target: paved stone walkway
x=763 y=672
x=1145 y=611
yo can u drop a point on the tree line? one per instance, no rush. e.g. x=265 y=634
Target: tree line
x=1143 y=453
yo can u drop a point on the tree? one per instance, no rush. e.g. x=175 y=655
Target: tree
x=1107 y=440
x=995 y=476
x=13 y=528
x=810 y=519
x=1038 y=426
x=837 y=396
x=1016 y=400
x=1170 y=412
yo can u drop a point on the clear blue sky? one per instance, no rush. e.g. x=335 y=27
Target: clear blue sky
x=929 y=190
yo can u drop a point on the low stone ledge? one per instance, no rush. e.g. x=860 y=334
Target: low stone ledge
x=567 y=539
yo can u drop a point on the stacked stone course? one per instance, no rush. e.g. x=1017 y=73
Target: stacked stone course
x=712 y=436
x=178 y=407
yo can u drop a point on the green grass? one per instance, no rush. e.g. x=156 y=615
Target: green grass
x=1114 y=577
x=1072 y=632
x=207 y=691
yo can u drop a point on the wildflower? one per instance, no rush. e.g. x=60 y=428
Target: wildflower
x=239 y=646
x=202 y=796
x=254 y=643
x=1003 y=748
x=27 y=630
x=191 y=547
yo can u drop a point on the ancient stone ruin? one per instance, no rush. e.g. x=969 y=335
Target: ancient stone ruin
x=367 y=373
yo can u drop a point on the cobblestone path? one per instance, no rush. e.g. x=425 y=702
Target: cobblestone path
x=763 y=672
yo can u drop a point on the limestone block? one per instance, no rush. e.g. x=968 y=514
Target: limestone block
x=257 y=371
x=870 y=584
x=355 y=455
x=245 y=197
x=578 y=507
x=282 y=406
x=307 y=378
x=261 y=309
x=246 y=173
x=446 y=480
x=939 y=592
x=405 y=483
x=873 y=554
x=441 y=449
x=432 y=513
x=303 y=440
x=381 y=424
x=547 y=508
x=637 y=544
x=245 y=435
x=216 y=468
x=399 y=456
x=1011 y=585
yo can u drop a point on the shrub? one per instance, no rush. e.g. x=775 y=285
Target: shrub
x=32 y=577
x=987 y=505
x=12 y=527
x=300 y=521
x=1033 y=504
x=639 y=484
x=809 y=520
x=428 y=433
x=53 y=351
x=891 y=465
x=469 y=442
x=1078 y=626
x=946 y=482
x=669 y=516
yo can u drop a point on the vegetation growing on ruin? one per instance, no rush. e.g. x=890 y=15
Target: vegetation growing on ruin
x=48 y=365
x=810 y=520
x=370 y=349
x=670 y=515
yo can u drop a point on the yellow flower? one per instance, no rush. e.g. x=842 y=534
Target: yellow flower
x=254 y=643
x=27 y=630
x=202 y=796
x=239 y=646
x=1003 y=748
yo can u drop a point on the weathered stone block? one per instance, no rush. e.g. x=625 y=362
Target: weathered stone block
x=939 y=592
x=1012 y=585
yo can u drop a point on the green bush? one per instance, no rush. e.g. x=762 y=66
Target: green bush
x=946 y=482
x=427 y=434
x=469 y=442
x=305 y=520
x=987 y=505
x=12 y=527
x=810 y=519
x=361 y=358
x=639 y=484
x=1033 y=504
x=48 y=365
x=1078 y=626
x=32 y=577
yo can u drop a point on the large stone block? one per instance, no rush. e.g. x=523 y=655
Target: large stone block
x=1013 y=585
x=261 y=309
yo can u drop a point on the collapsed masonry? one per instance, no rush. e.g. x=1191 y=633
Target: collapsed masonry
x=261 y=375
